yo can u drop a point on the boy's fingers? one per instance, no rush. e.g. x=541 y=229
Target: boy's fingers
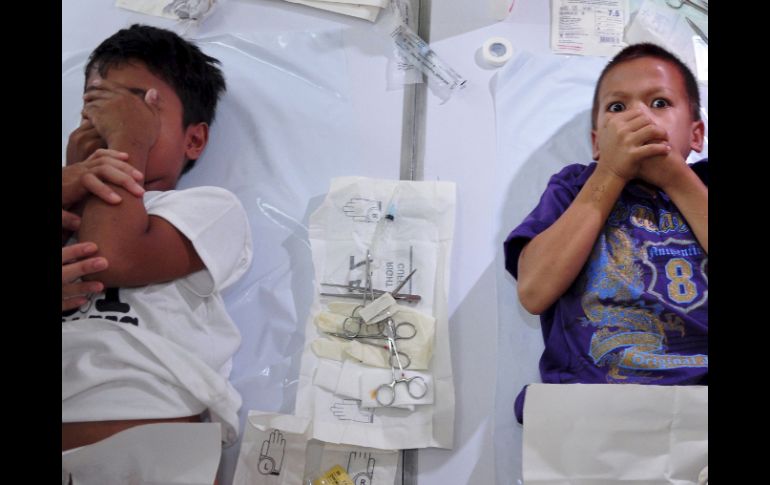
x=69 y=221
x=92 y=108
x=71 y=303
x=93 y=184
x=96 y=94
x=117 y=174
x=84 y=128
x=650 y=133
x=105 y=84
x=104 y=89
x=652 y=150
x=77 y=251
x=638 y=122
x=152 y=97
x=107 y=153
x=635 y=117
x=72 y=271
x=80 y=288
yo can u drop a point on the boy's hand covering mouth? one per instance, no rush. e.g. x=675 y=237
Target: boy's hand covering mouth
x=659 y=141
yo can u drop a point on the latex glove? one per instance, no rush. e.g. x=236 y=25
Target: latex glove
x=419 y=348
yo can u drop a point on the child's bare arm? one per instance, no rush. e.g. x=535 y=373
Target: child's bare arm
x=141 y=249
x=89 y=176
x=551 y=261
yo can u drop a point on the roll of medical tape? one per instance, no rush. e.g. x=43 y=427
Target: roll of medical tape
x=496 y=51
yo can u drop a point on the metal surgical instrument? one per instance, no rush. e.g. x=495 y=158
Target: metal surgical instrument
x=698 y=30
x=416 y=386
x=364 y=291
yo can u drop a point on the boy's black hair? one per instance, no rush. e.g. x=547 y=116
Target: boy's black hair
x=637 y=51
x=192 y=74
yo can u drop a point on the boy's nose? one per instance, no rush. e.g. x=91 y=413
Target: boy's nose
x=644 y=109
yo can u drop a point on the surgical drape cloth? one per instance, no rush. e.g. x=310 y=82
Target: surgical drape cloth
x=586 y=434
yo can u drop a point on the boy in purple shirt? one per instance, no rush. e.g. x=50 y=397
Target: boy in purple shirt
x=614 y=258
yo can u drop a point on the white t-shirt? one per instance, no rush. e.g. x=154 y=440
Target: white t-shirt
x=163 y=350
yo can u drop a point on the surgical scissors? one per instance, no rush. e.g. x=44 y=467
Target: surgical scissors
x=677 y=4
x=380 y=334
x=355 y=332
x=698 y=30
x=389 y=389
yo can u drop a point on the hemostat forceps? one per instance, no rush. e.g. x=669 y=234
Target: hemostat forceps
x=382 y=332
x=416 y=386
x=368 y=291
x=356 y=330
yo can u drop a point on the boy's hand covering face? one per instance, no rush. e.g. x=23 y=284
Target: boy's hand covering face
x=626 y=139
x=661 y=171
x=115 y=110
x=83 y=141
x=644 y=116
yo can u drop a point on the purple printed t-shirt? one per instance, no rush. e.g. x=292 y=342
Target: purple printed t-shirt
x=638 y=311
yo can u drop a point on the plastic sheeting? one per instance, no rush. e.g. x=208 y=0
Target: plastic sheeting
x=281 y=133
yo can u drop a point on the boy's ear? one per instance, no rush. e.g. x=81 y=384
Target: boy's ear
x=196 y=137
x=698 y=135
x=594 y=145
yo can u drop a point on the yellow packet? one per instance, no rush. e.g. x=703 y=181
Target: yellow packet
x=335 y=476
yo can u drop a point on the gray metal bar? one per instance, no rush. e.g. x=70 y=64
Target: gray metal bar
x=413 y=168
x=409 y=467
x=415 y=107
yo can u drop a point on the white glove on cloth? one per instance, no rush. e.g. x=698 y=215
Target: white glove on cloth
x=419 y=348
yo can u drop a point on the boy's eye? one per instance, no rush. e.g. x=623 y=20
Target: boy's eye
x=616 y=107
x=660 y=103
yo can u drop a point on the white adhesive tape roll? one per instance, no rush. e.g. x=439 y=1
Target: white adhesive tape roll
x=496 y=51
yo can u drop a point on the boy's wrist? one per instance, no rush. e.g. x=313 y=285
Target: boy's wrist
x=609 y=177
x=136 y=148
x=678 y=178
x=602 y=189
